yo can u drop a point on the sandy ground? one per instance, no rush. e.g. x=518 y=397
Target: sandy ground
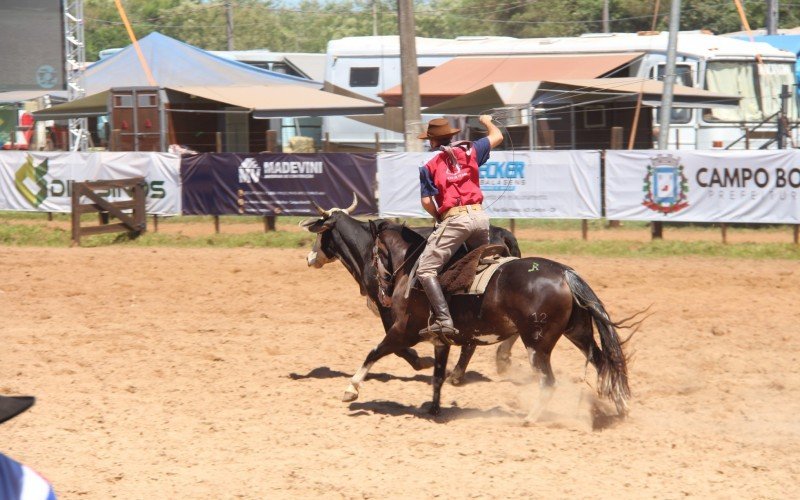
x=217 y=373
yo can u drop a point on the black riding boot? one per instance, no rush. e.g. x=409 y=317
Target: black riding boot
x=443 y=323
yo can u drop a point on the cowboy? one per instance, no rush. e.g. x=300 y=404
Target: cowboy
x=451 y=194
x=17 y=481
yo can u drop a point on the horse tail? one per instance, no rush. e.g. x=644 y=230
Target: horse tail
x=612 y=377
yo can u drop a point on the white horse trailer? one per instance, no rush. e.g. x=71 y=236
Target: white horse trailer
x=755 y=71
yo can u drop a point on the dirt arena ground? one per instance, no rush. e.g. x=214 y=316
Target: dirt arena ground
x=217 y=373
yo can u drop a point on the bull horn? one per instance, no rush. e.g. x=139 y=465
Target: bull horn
x=321 y=211
x=352 y=207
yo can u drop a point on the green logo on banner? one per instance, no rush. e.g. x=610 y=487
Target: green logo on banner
x=30 y=181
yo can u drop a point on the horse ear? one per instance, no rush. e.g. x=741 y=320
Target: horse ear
x=373 y=229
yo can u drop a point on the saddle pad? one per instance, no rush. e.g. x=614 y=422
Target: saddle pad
x=489 y=267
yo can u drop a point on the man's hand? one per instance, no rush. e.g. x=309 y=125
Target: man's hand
x=494 y=134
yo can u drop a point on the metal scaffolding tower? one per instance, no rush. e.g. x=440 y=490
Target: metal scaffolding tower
x=75 y=63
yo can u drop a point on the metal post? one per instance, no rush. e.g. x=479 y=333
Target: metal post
x=606 y=28
x=669 y=75
x=531 y=128
x=656 y=228
x=585 y=229
x=229 y=24
x=724 y=228
x=412 y=119
x=772 y=15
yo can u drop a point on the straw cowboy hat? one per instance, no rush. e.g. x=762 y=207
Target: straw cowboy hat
x=439 y=128
x=11 y=406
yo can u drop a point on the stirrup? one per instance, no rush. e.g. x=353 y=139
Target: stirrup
x=439 y=331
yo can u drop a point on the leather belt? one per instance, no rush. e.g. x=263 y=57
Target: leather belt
x=461 y=210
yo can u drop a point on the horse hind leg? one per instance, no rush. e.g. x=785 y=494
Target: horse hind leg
x=540 y=361
x=581 y=334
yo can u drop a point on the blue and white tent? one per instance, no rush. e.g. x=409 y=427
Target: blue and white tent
x=177 y=64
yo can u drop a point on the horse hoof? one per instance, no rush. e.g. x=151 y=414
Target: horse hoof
x=349 y=396
x=435 y=411
x=425 y=363
x=503 y=365
x=455 y=380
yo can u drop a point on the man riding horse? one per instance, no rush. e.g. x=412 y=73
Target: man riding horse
x=451 y=194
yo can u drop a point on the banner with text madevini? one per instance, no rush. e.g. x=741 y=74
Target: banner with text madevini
x=704 y=186
x=36 y=181
x=515 y=184
x=277 y=184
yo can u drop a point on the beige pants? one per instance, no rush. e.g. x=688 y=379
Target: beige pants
x=470 y=227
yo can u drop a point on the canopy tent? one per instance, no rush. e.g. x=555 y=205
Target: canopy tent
x=572 y=92
x=463 y=75
x=284 y=100
x=262 y=101
x=175 y=64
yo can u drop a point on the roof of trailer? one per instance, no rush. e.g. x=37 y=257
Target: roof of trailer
x=696 y=44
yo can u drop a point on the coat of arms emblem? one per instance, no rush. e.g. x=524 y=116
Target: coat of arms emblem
x=665 y=185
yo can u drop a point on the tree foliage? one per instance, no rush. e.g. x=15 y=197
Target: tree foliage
x=307 y=25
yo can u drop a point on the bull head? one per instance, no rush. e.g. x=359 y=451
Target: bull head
x=317 y=257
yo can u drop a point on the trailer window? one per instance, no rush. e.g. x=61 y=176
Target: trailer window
x=683 y=76
x=364 y=77
x=759 y=85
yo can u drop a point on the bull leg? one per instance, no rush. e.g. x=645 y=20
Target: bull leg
x=456 y=377
x=413 y=359
x=540 y=360
x=386 y=346
x=503 y=355
x=441 y=351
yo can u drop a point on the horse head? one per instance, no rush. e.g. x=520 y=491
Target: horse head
x=324 y=251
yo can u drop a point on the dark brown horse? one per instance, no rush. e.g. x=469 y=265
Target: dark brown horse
x=341 y=237
x=538 y=299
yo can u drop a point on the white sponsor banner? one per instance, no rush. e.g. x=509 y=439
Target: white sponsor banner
x=704 y=186
x=42 y=181
x=515 y=184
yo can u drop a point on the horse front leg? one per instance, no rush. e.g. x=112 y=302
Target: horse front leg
x=439 y=371
x=387 y=346
x=456 y=377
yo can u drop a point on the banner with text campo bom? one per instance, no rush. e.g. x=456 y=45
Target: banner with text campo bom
x=277 y=184
x=35 y=181
x=704 y=186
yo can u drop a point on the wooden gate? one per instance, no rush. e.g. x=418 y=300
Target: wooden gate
x=130 y=213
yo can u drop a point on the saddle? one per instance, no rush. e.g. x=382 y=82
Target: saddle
x=470 y=274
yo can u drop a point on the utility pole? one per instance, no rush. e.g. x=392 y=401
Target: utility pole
x=772 y=17
x=657 y=230
x=229 y=23
x=412 y=119
x=606 y=28
x=374 y=17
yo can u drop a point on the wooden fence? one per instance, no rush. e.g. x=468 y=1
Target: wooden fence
x=130 y=213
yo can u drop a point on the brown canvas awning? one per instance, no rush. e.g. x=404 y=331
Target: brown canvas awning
x=263 y=101
x=576 y=92
x=463 y=75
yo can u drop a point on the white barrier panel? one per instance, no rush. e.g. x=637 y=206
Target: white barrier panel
x=516 y=185
x=704 y=186
x=42 y=181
